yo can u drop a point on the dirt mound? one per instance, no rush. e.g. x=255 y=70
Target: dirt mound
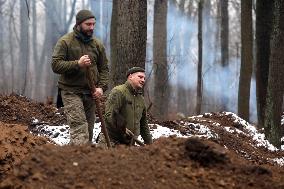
x=227 y=130
x=21 y=110
x=16 y=142
x=229 y=158
x=166 y=164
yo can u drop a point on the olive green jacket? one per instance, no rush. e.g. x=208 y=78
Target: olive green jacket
x=68 y=51
x=125 y=108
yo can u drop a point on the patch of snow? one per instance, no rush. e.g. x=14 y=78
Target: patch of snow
x=238 y=119
x=204 y=131
x=256 y=136
x=234 y=130
x=279 y=161
x=35 y=120
x=58 y=134
x=161 y=131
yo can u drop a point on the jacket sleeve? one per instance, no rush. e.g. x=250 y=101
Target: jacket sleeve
x=59 y=63
x=103 y=68
x=144 y=128
x=113 y=105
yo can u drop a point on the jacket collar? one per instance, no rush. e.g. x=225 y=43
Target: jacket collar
x=132 y=90
x=81 y=36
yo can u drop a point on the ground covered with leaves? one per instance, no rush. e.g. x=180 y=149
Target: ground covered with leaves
x=229 y=158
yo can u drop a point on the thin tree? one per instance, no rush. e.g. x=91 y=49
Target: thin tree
x=34 y=31
x=24 y=47
x=2 y=65
x=12 y=41
x=161 y=83
x=246 y=59
x=224 y=33
x=224 y=49
x=113 y=43
x=200 y=53
x=275 y=90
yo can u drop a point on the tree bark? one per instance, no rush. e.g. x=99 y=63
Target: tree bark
x=246 y=59
x=113 y=43
x=161 y=78
x=200 y=53
x=24 y=48
x=224 y=33
x=224 y=51
x=272 y=121
x=11 y=47
x=128 y=38
x=264 y=14
x=2 y=63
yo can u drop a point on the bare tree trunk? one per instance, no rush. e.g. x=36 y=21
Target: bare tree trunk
x=11 y=46
x=113 y=43
x=224 y=33
x=3 y=78
x=264 y=14
x=161 y=77
x=224 y=51
x=24 y=47
x=129 y=34
x=275 y=90
x=34 y=32
x=34 y=47
x=199 y=69
x=246 y=59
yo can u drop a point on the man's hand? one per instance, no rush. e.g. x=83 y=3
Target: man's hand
x=98 y=93
x=128 y=133
x=84 y=61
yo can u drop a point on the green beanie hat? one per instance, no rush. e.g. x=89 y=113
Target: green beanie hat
x=83 y=15
x=134 y=70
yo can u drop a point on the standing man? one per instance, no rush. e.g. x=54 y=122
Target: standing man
x=125 y=113
x=74 y=54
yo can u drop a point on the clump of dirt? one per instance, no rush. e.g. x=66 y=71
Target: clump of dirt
x=226 y=160
x=205 y=152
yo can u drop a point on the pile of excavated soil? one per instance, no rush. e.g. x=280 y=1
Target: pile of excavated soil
x=168 y=163
x=28 y=161
x=15 y=144
x=19 y=109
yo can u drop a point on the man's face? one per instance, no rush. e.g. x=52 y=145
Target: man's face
x=87 y=27
x=137 y=80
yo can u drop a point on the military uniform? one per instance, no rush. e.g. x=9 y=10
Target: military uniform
x=76 y=95
x=125 y=108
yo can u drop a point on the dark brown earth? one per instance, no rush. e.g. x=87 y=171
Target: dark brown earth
x=28 y=161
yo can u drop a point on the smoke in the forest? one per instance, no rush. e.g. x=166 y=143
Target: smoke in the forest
x=220 y=84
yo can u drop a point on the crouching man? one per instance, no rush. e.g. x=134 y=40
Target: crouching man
x=125 y=113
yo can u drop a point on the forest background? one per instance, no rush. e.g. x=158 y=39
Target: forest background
x=200 y=55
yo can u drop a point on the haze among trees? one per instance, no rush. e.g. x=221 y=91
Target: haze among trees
x=199 y=55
